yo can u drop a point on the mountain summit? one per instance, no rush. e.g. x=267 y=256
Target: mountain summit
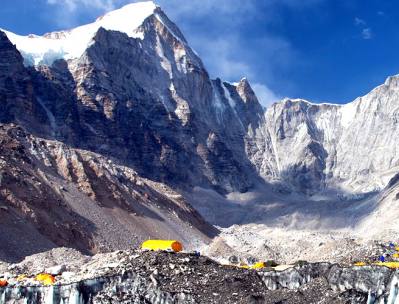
x=71 y=44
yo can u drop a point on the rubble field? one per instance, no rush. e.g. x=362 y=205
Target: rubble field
x=162 y=277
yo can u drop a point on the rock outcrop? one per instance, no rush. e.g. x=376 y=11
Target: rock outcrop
x=54 y=195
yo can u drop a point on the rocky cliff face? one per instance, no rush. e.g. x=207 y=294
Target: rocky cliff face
x=346 y=148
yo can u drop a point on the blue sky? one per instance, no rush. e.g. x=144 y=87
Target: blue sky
x=321 y=50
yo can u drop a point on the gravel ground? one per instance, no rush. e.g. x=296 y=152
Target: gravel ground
x=37 y=263
x=288 y=246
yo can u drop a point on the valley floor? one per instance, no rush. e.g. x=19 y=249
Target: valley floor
x=287 y=228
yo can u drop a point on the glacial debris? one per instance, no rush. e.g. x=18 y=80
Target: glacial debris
x=162 y=277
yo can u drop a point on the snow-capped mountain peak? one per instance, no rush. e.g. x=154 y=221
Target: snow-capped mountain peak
x=124 y=14
x=38 y=50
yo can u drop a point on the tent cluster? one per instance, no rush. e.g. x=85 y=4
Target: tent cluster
x=257 y=265
x=249 y=263
x=389 y=259
x=45 y=279
x=253 y=263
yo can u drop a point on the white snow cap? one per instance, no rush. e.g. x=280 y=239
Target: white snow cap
x=44 y=50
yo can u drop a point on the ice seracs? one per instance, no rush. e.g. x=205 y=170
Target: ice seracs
x=44 y=50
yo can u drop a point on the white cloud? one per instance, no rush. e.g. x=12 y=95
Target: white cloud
x=225 y=58
x=367 y=33
x=239 y=8
x=219 y=53
x=204 y=7
x=265 y=96
x=360 y=22
x=73 y=5
x=66 y=12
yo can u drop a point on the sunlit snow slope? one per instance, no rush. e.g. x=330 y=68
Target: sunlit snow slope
x=72 y=44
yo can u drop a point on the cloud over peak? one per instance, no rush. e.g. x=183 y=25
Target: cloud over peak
x=366 y=32
x=73 y=5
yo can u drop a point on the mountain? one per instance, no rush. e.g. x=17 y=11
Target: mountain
x=113 y=132
x=116 y=114
x=138 y=92
x=349 y=149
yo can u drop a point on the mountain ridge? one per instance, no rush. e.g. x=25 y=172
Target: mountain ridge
x=183 y=107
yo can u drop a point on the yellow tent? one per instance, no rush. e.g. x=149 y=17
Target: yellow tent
x=21 y=277
x=258 y=265
x=393 y=265
x=166 y=245
x=45 y=279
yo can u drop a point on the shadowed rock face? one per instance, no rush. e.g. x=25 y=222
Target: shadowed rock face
x=15 y=88
x=11 y=61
